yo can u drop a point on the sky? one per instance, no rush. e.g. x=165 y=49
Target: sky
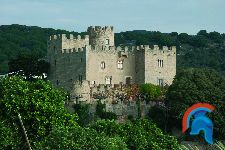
x=182 y=16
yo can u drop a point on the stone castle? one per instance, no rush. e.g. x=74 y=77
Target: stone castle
x=79 y=64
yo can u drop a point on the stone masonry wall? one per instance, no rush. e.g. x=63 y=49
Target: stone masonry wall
x=101 y=36
x=75 y=62
x=110 y=57
x=154 y=71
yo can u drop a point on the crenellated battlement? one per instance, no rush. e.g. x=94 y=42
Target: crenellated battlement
x=68 y=37
x=84 y=64
x=124 y=49
x=100 y=29
x=73 y=50
x=101 y=36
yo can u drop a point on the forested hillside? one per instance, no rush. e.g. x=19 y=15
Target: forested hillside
x=201 y=50
x=15 y=39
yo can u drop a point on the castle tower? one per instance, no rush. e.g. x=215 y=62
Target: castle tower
x=101 y=36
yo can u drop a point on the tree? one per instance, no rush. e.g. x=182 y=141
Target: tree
x=191 y=86
x=8 y=138
x=150 y=91
x=203 y=33
x=28 y=65
x=83 y=114
x=100 y=112
x=216 y=37
x=40 y=105
x=139 y=134
x=80 y=138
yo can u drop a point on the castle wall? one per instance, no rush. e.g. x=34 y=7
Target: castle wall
x=67 y=59
x=110 y=57
x=101 y=36
x=76 y=63
x=154 y=71
x=68 y=67
x=74 y=42
x=140 y=66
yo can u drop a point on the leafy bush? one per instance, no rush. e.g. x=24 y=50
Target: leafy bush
x=40 y=105
x=139 y=134
x=150 y=91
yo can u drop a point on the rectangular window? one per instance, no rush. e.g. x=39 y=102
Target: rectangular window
x=80 y=79
x=102 y=65
x=160 y=63
x=120 y=64
x=108 y=80
x=160 y=82
x=107 y=41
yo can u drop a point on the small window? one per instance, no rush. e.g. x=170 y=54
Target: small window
x=128 y=80
x=160 y=82
x=57 y=82
x=80 y=79
x=160 y=63
x=92 y=82
x=81 y=59
x=54 y=49
x=103 y=65
x=55 y=62
x=120 y=64
x=107 y=41
x=108 y=80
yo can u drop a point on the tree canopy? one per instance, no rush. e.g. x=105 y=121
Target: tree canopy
x=50 y=126
x=40 y=105
x=191 y=86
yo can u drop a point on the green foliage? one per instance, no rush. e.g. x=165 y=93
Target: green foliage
x=28 y=65
x=80 y=138
x=49 y=126
x=150 y=91
x=159 y=115
x=100 y=112
x=198 y=85
x=139 y=134
x=82 y=111
x=40 y=105
x=8 y=138
x=15 y=39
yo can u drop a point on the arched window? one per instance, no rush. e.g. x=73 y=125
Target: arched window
x=102 y=65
